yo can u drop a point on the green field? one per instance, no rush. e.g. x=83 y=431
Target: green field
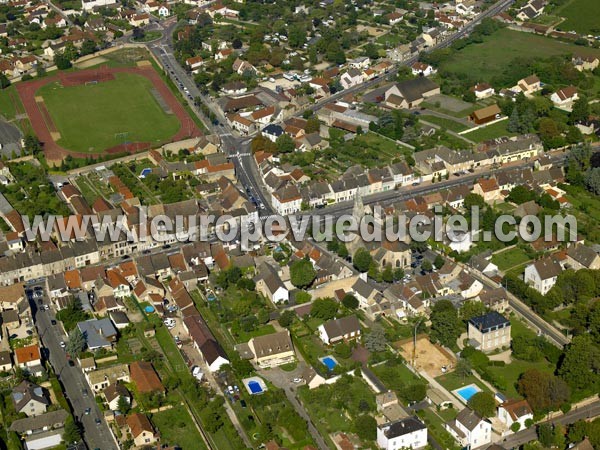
x=443 y=122
x=510 y=258
x=581 y=16
x=92 y=118
x=491 y=57
x=176 y=427
x=495 y=130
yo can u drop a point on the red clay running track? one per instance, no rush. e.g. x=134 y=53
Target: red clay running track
x=55 y=153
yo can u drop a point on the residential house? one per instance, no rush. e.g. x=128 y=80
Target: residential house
x=194 y=63
x=30 y=399
x=144 y=376
x=488 y=188
x=470 y=429
x=42 y=432
x=410 y=93
x=528 y=86
x=204 y=341
x=489 y=331
x=141 y=430
x=336 y=330
x=542 y=274
x=98 y=333
x=582 y=62
x=101 y=378
x=29 y=358
x=565 y=97
x=269 y=284
x=581 y=256
x=113 y=394
x=408 y=432
x=6 y=363
x=272 y=350
x=351 y=78
x=422 y=69
x=483 y=90
x=513 y=411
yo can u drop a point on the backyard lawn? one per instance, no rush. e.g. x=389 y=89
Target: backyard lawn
x=511 y=373
x=448 y=124
x=176 y=427
x=495 y=130
x=510 y=258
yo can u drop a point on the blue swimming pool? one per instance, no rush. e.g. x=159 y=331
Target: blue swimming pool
x=329 y=362
x=145 y=172
x=467 y=392
x=255 y=387
x=149 y=309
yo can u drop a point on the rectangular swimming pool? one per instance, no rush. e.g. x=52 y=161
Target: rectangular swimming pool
x=467 y=392
x=329 y=362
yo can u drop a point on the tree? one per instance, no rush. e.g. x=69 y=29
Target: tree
x=285 y=144
x=474 y=200
x=62 y=62
x=72 y=432
x=138 y=33
x=592 y=180
x=514 y=122
x=76 y=342
x=286 y=318
x=445 y=324
x=302 y=273
x=350 y=301
x=362 y=260
x=472 y=308
x=439 y=262
x=343 y=350
x=376 y=341
x=545 y=434
x=520 y=194
x=463 y=368
x=365 y=426
x=123 y=405
x=581 y=110
x=426 y=265
x=580 y=367
x=211 y=417
x=544 y=391
x=324 y=308
x=4 y=81
x=88 y=47
x=387 y=274
x=483 y=403
x=516 y=426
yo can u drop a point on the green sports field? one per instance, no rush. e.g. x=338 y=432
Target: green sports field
x=94 y=117
x=491 y=57
x=581 y=16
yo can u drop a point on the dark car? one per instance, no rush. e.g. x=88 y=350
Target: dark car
x=98 y=421
x=53 y=322
x=71 y=363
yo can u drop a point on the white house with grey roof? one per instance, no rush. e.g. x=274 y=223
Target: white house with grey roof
x=542 y=274
x=272 y=350
x=269 y=284
x=408 y=432
x=470 y=429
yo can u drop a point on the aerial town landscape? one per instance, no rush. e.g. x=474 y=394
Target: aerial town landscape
x=134 y=118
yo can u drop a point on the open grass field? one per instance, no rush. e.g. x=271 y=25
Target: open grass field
x=94 y=117
x=491 y=57
x=495 y=130
x=581 y=16
x=443 y=122
x=510 y=258
x=176 y=427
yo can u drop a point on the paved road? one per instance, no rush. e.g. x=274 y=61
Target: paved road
x=238 y=147
x=581 y=413
x=73 y=381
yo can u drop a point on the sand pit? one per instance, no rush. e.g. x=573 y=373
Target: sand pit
x=428 y=357
x=144 y=63
x=91 y=62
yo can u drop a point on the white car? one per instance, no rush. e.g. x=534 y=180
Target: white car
x=297 y=380
x=62 y=344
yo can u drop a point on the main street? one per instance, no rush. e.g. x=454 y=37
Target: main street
x=78 y=393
